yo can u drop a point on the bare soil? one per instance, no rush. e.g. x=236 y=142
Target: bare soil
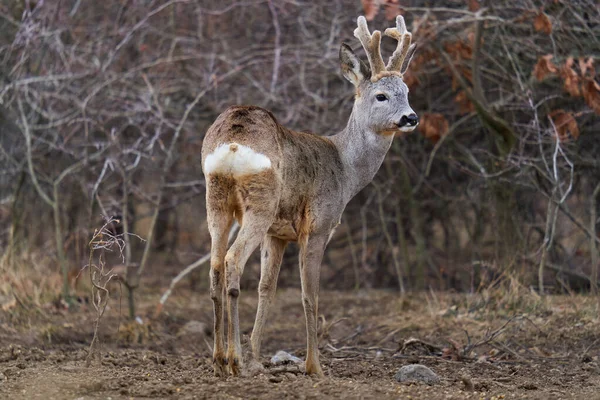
x=547 y=349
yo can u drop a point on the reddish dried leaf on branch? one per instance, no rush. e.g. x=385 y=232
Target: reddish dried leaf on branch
x=426 y=30
x=410 y=78
x=542 y=23
x=565 y=124
x=392 y=9
x=459 y=50
x=464 y=104
x=433 y=126
x=371 y=8
x=473 y=5
x=591 y=94
x=570 y=78
x=587 y=66
x=544 y=67
x=590 y=88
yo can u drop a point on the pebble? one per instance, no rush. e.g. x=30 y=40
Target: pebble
x=282 y=357
x=417 y=373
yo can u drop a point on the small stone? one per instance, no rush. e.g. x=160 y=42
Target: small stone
x=282 y=357
x=417 y=373
x=275 y=379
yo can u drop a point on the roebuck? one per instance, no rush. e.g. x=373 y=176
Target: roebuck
x=283 y=186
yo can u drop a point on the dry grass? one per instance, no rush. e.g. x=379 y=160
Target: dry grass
x=28 y=280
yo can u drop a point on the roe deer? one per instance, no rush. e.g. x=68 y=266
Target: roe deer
x=282 y=186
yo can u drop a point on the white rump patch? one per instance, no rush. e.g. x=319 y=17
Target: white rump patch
x=235 y=159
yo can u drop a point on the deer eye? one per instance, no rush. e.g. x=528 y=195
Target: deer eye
x=381 y=97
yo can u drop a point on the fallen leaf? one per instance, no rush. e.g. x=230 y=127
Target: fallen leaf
x=565 y=124
x=542 y=23
x=544 y=67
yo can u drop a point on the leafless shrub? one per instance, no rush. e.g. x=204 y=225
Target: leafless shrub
x=505 y=168
x=100 y=276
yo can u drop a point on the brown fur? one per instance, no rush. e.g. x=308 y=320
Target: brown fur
x=283 y=186
x=280 y=202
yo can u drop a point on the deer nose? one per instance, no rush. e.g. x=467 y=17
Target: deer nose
x=408 y=120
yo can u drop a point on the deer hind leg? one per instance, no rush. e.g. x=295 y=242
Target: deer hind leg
x=311 y=255
x=219 y=224
x=254 y=228
x=272 y=250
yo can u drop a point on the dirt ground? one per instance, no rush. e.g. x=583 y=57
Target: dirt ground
x=482 y=346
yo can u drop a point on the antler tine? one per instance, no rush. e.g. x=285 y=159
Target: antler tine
x=404 y=37
x=371 y=45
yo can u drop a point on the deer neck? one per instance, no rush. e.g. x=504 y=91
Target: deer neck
x=362 y=151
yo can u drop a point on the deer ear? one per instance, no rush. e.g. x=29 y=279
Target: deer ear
x=353 y=68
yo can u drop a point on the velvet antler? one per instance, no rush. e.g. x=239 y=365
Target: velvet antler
x=404 y=51
x=401 y=57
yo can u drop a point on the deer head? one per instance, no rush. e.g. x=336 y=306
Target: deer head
x=381 y=94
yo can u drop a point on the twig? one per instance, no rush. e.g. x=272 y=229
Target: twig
x=488 y=337
x=431 y=348
x=186 y=271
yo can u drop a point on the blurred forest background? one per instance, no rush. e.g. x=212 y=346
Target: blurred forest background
x=104 y=104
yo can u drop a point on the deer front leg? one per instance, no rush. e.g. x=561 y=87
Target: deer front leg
x=271 y=255
x=311 y=254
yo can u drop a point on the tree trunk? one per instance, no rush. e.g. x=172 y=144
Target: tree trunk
x=60 y=251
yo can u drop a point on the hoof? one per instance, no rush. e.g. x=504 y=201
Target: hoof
x=235 y=366
x=220 y=367
x=314 y=370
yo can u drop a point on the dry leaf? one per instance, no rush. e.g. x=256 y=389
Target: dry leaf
x=473 y=5
x=433 y=126
x=570 y=78
x=425 y=27
x=459 y=50
x=544 y=67
x=410 y=78
x=542 y=23
x=591 y=94
x=565 y=123
x=371 y=8
x=587 y=66
x=464 y=104
x=392 y=9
